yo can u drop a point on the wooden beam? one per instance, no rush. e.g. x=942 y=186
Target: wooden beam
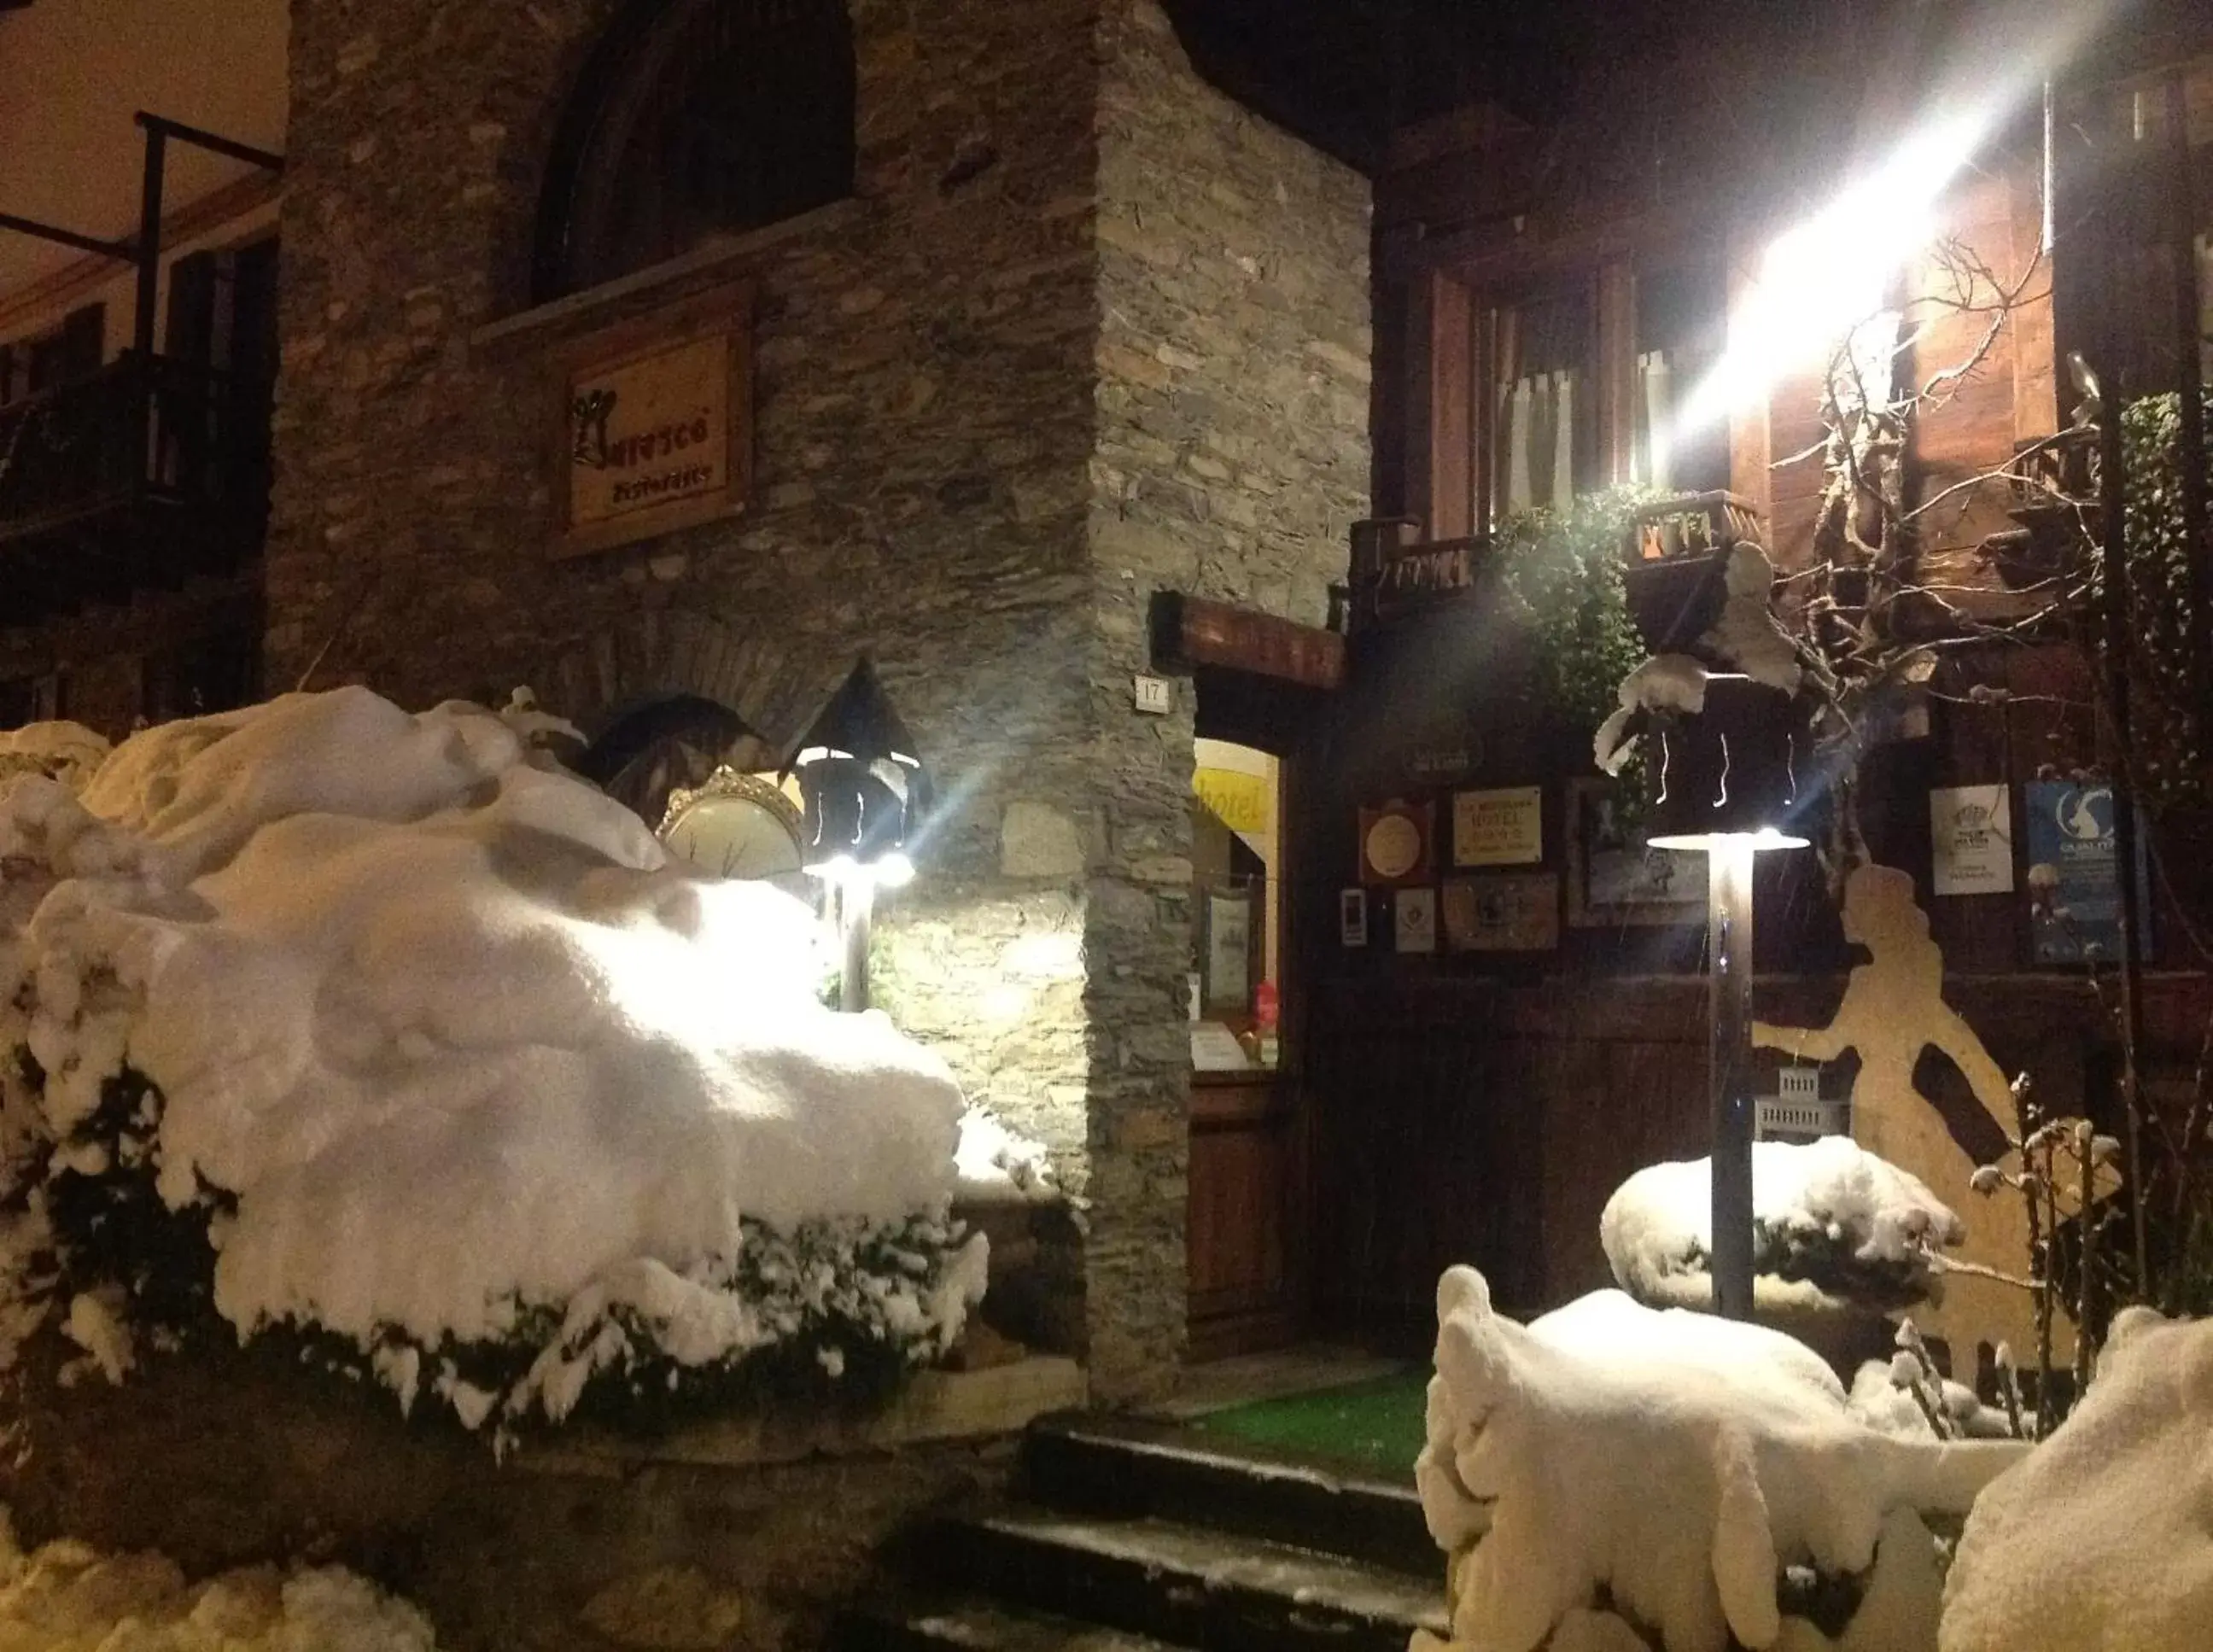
x=1191 y=630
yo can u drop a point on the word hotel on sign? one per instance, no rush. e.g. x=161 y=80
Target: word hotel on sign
x=656 y=444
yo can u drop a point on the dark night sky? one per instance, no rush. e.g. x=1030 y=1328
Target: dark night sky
x=1344 y=73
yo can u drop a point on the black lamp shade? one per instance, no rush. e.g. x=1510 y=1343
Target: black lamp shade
x=1731 y=769
x=860 y=777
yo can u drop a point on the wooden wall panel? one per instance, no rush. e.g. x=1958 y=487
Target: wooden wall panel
x=1616 y=356
x=1452 y=420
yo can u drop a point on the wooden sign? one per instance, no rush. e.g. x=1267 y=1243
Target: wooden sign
x=1507 y=911
x=1419 y=576
x=655 y=425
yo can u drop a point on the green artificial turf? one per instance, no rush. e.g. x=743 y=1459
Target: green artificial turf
x=1374 y=1425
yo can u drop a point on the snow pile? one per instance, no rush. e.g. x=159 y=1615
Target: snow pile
x=1610 y=1476
x=2103 y=1537
x=67 y=752
x=440 y=1050
x=1883 y=1396
x=68 y=1595
x=1831 y=1221
x=999 y=1166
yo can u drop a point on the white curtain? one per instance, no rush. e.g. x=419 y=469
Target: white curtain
x=1519 y=493
x=1563 y=440
x=1650 y=464
x=2205 y=309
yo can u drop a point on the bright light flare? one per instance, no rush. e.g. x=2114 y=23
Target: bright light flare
x=893 y=871
x=1822 y=279
x=1702 y=843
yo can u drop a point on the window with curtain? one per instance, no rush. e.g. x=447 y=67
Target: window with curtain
x=1542 y=428
x=1580 y=399
x=1681 y=326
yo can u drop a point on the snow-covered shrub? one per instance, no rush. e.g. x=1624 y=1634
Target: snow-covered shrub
x=2102 y=1538
x=324 y=1020
x=1612 y=1476
x=68 y=1595
x=66 y=752
x=999 y=1165
x=1831 y=1224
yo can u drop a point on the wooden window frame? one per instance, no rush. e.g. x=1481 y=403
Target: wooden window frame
x=1452 y=364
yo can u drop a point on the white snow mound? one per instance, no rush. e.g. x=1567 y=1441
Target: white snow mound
x=999 y=1165
x=1665 y=1467
x=2103 y=1538
x=450 y=1026
x=1829 y=1194
x=67 y=752
x=69 y=1597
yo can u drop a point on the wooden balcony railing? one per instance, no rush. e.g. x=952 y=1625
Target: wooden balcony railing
x=1692 y=525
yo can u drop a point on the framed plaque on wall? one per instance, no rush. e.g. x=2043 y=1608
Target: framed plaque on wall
x=1398 y=844
x=654 y=425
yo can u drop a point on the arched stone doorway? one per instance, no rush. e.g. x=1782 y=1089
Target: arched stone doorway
x=664 y=697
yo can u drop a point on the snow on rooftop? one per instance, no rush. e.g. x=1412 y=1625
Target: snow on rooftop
x=450 y=1024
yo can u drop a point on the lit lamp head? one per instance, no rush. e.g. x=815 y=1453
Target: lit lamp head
x=1729 y=774
x=862 y=784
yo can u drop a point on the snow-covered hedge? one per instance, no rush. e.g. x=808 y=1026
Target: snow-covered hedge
x=1832 y=1224
x=2103 y=1537
x=324 y=1019
x=1612 y=1479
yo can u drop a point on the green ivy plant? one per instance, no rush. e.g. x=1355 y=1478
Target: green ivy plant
x=2172 y=762
x=1560 y=575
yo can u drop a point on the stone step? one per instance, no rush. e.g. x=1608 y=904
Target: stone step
x=1225 y=1591
x=939 y=1622
x=1130 y=1467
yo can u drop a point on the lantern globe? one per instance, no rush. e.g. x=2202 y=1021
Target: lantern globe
x=862 y=784
x=1729 y=773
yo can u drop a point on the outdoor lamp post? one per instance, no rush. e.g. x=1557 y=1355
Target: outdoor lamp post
x=864 y=789
x=1728 y=787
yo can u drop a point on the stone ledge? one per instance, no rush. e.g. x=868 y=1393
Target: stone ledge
x=937 y=1406
x=611 y=298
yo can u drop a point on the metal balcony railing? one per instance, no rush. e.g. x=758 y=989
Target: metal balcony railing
x=145 y=432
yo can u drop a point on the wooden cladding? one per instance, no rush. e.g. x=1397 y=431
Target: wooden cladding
x=1445 y=476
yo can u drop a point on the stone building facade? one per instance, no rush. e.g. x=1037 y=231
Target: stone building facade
x=1086 y=330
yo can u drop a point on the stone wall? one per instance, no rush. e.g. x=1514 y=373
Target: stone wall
x=226 y=1457
x=923 y=412
x=999 y=400
x=1233 y=456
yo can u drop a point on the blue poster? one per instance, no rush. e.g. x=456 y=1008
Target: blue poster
x=2072 y=882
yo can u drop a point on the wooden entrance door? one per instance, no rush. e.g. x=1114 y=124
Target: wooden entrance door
x=1247 y=1166
x=1246 y=1177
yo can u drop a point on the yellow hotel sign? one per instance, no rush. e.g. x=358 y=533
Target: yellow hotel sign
x=655 y=432
x=1239 y=801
